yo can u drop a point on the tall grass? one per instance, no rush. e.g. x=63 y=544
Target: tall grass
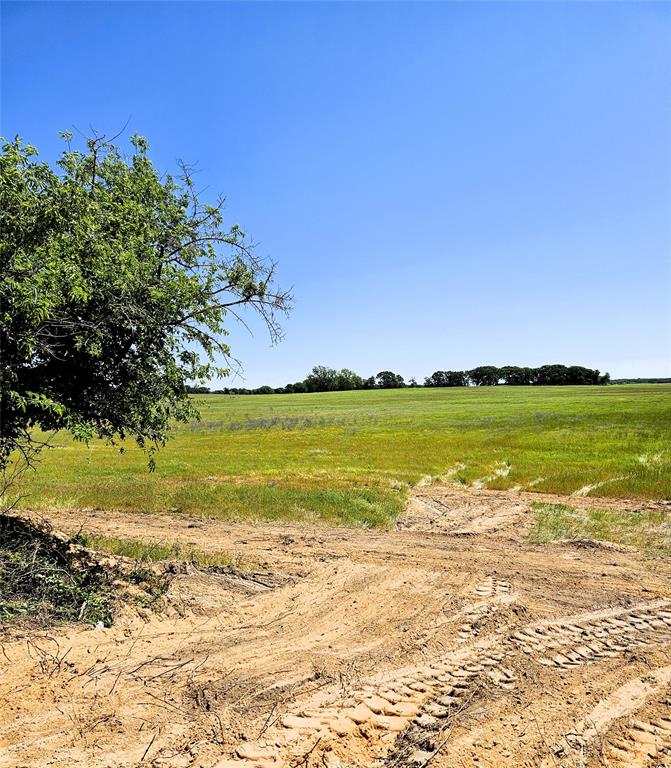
x=350 y=457
x=649 y=531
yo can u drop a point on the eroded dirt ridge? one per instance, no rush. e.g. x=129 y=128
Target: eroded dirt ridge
x=448 y=642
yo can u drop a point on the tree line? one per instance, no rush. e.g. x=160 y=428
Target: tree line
x=514 y=375
x=324 y=379
x=642 y=381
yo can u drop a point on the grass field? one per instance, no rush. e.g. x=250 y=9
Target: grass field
x=350 y=457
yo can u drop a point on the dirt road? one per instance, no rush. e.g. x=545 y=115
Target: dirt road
x=450 y=641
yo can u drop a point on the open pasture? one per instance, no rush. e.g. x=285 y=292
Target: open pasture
x=350 y=457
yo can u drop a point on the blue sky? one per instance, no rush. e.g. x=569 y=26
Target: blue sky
x=444 y=184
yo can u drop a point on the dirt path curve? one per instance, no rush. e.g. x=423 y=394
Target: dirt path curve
x=450 y=641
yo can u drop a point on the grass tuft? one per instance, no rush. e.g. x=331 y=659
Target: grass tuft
x=647 y=530
x=147 y=552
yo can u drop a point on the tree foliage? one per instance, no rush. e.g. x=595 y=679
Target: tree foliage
x=389 y=380
x=115 y=284
x=321 y=379
x=516 y=375
x=513 y=375
x=483 y=375
x=446 y=379
x=324 y=379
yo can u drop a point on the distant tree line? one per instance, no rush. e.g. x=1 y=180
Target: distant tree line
x=324 y=379
x=641 y=381
x=513 y=375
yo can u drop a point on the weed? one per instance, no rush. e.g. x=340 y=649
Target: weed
x=46 y=578
x=43 y=576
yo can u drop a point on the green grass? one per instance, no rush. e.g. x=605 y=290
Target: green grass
x=350 y=457
x=147 y=552
x=648 y=531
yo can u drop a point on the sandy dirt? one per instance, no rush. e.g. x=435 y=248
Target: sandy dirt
x=450 y=641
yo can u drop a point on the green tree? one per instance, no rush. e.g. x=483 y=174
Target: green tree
x=347 y=380
x=551 y=375
x=578 y=374
x=515 y=375
x=321 y=379
x=484 y=376
x=389 y=380
x=115 y=284
x=446 y=379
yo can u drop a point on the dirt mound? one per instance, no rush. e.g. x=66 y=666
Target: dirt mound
x=450 y=641
x=46 y=577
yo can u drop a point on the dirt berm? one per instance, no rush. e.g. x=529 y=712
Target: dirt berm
x=450 y=641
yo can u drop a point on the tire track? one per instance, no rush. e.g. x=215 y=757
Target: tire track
x=645 y=744
x=592 y=637
x=417 y=702
x=423 y=696
x=596 y=733
x=583 y=639
x=417 y=707
x=492 y=587
x=495 y=593
x=430 y=728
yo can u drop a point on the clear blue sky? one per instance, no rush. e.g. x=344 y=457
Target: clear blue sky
x=444 y=185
